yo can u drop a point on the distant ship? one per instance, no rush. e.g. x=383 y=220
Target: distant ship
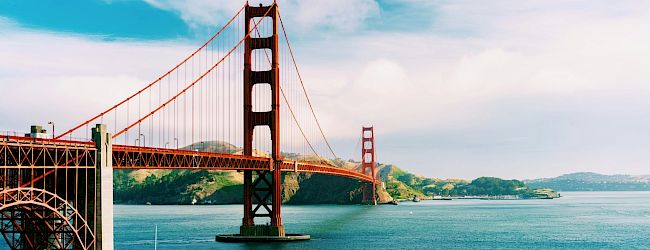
x=416 y=199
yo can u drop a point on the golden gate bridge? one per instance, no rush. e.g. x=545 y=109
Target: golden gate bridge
x=241 y=87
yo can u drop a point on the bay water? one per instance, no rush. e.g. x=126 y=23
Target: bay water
x=578 y=220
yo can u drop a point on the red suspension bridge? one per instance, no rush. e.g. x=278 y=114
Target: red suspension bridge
x=241 y=88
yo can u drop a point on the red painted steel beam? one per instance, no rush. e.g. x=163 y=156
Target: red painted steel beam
x=73 y=154
x=129 y=157
x=306 y=167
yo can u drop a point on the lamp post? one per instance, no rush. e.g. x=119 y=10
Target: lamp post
x=52 y=123
x=176 y=140
x=136 y=142
x=166 y=143
x=144 y=140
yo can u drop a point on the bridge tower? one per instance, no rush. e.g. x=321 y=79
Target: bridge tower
x=368 y=164
x=267 y=184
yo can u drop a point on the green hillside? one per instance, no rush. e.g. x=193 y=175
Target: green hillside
x=403 y=185
x=226 y=187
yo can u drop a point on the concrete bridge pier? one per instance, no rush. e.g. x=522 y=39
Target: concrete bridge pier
x=103 y=187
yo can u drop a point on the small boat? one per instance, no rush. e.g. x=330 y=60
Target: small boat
x=416 y=199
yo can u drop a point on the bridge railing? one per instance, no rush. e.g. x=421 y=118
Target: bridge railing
x=65 y=153
x=6 y=133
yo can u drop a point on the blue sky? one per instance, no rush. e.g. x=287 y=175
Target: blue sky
x=130 y=19
x=111 y=20
x=514 y=89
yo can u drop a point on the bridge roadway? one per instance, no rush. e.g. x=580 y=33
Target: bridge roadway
x=16 y=151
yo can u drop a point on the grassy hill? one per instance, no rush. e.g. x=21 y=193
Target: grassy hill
x=403 y=185
x=226 y=187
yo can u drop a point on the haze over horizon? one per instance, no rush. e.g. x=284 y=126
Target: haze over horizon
x=455 y=89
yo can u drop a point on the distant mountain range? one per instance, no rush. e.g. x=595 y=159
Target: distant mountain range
x=588 y=181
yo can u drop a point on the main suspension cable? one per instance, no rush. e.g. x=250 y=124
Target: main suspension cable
x=190 y=85
x=155 y=81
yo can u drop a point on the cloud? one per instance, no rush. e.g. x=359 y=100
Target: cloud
x=551 y=72
x=200 y=13
x=441 y=70
x=65 y=78
x=512 y=89
x=340 y=15
x=344 y=15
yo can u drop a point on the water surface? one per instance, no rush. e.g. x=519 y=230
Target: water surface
x=579 y=220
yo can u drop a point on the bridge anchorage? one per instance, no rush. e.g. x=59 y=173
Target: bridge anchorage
x=57 y=193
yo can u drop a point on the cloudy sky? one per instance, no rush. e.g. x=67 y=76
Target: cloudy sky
x=514 y=89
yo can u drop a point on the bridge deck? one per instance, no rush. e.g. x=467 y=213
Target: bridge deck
x=36 y=152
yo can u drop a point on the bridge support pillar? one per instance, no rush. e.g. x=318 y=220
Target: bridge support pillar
x=103 y=188
x=265 y=188
x=262 y=188
x=369 y=195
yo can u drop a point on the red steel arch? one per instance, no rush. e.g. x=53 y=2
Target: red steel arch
x=59 y=211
